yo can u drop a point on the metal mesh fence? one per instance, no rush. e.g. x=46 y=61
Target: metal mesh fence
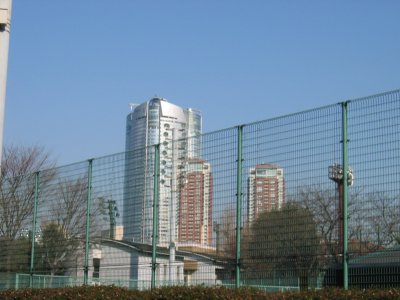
x=374 y=207
x=290 y=224
x=60 y=222
x=306 y=200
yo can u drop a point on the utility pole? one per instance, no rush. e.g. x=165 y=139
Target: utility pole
x=113 y=214
x=5 y=24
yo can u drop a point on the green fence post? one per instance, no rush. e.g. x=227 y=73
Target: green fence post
x=155 y=214
x=88 y=206
x=345 y=196
x=239 y=201
x=36 y=198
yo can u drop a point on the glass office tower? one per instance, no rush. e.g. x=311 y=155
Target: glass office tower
x=178 y=131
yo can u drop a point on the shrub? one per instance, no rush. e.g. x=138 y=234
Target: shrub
x=189 y=293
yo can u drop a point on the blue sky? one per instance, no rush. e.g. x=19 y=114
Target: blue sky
x=75 y=65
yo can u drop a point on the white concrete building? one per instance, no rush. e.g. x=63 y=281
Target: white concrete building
x=129 y=265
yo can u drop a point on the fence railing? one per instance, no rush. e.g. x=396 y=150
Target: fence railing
x=306 y=200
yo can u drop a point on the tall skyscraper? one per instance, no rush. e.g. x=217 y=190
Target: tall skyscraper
x=178 y=131
x=266 y=190
x=195 y=203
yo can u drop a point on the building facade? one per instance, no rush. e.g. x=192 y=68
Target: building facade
x=195 y=203
x=177 y=131
x=266 y=190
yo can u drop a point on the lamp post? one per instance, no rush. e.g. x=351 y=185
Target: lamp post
x=335 y=173
x=5 y=24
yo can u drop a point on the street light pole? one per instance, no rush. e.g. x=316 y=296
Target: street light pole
x=5 y=24
x=343 y=179
x=335 y=174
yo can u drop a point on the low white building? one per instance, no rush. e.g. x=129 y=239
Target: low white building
x=128 y=264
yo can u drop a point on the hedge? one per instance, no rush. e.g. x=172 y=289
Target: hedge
x=189 y=293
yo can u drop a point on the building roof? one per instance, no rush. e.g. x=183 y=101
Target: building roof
x=389 y=256
x=143 y=249
x=146 y=250
x=267 y=166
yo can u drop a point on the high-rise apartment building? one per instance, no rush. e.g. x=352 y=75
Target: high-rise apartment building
x=266 y=190
x=195 y=203
x=178 y=131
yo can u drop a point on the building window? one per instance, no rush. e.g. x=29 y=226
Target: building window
x=96 y=267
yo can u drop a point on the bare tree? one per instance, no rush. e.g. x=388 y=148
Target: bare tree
x=17 y=187
x=227 y=234
x=17 y=190
x=64 y=235
x=324 y=205
x=383 y=220
x=373 y=220
x=68 y=208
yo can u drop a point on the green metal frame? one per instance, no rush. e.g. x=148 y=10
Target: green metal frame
x=345 y=196
x=155 y=214
x=36 y=198
x=88 y=206
x=239 y=201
